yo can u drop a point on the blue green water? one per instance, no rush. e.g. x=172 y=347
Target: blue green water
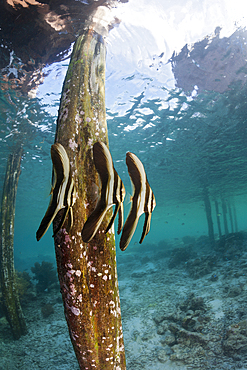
x=187 y=138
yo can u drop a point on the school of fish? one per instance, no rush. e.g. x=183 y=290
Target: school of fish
x=112 y=193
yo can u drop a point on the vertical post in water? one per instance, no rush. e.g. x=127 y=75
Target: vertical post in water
x=224 y=212
x=209 y=215
x=218 y=217
x=230 y=215
x=235 y=218
x=11 y=301
x=87 y=271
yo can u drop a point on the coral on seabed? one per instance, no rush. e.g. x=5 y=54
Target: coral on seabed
x=182 y=330
x=232 y=244
x=199 y=267
x=235 y=342
x=23 y=283
x=45 y=274
x=181 y=255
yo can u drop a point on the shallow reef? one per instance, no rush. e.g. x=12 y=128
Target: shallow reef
x=173 y=319
x=23 y=283
x=46 y=276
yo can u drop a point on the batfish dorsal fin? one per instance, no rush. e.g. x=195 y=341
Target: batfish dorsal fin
x=135 y=169
x=103 y=162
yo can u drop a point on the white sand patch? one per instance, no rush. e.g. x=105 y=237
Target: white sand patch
x=217 y=308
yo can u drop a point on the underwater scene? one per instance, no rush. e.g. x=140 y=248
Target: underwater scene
x=166 y=91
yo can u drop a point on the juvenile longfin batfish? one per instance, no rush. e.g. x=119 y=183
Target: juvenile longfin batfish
x=112 y=192
x=62 y=191
x=143 y=201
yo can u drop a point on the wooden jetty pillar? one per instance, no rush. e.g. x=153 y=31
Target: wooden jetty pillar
x=209 y=215
x=235 y=218
x=218 y=217
x=10 y=296
x=229 y=206
x=224 y=212
x=87 y=271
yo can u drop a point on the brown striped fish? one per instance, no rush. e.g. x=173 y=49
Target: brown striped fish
x=62 y=191
x=112 y=192
x=143 y=201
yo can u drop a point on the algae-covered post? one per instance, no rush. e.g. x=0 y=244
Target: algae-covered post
x=87 y=271
x=10 y=296
x=209 y=215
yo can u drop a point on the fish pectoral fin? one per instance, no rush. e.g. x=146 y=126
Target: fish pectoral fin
x=61 y=223
x=93 y=222
x=113 y=217
x=129 y=228
x=146 y=226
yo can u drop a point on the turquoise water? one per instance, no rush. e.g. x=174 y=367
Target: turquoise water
x=185 y=137
x=181 y=109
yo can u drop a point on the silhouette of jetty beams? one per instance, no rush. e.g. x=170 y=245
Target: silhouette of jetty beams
x=10 y=296
x=38 y=33
x=87 y=271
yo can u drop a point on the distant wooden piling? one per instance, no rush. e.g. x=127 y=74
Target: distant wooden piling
x=87 y=271
x=235 y=218
x=218 y=217
x=224 y=212
x=209 y=215
x=230 y=215
x=10 y=296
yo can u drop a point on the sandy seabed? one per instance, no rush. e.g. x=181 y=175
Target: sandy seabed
x=187 y=313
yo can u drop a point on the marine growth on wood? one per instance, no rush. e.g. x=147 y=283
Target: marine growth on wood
x=10 y=296
x=87 y=271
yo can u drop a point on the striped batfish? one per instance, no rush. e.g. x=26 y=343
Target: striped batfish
x=112 y=192
x=143 y=201
x=62 y=191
